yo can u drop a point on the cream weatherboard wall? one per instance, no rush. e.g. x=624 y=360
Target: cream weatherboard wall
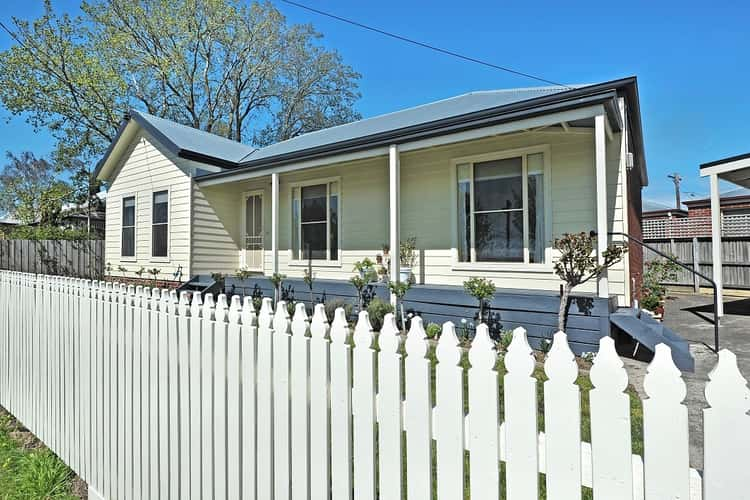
x=144 y=169
x=427 y=211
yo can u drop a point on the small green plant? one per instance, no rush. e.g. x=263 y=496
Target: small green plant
x=653 y=290
x=545 y=345
x=333 y=304
x=122 y=270
x=359 y=283
x=433 y=330
x=276 y=280
x=407 y=249
x=506 y=337
x=155 y=273
x=376 y=310
x=399 y=289
x=578 y=264
x=243 y=273
x=481 y=289
x=43 y=475
x=140 y=272
x=108 y=269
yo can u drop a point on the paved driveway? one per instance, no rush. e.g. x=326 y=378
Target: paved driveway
x=691 y=316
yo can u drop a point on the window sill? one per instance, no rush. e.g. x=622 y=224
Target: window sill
x=128 y=259
x=161 y=260
x=503 y=266
x=315 y=263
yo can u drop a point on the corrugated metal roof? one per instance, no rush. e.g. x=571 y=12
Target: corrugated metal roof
x=426 y=113
x=655 y=206
x=192 y=139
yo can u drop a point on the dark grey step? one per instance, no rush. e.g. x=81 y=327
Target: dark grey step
x=649 y=333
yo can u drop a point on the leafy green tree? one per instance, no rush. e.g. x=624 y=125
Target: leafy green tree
x=224 y=66
x=578 y=264
x=31 y=191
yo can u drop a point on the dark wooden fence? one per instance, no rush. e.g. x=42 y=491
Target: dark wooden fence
x=697 y=252
x=79 y=259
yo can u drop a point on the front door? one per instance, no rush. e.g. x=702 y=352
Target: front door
x=253 y=258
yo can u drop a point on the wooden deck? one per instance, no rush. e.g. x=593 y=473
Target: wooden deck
x=588 y=317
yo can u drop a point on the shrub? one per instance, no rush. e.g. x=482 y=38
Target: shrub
x=377 y=309
x=243 y=273
x=333 y=304
x=506 y=337
x=481 y=289
x=433 y=330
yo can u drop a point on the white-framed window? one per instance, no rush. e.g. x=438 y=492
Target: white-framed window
x=160 y=224
x=502 y=207
x=127 y=239
x=316 y=208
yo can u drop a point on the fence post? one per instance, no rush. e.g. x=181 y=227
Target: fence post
x=363 y=404
x=281 y=413
x=300 y=387
x=320 y=472
x=390 y=421
x=696 y=265
x=341 y=408
x=449 y=424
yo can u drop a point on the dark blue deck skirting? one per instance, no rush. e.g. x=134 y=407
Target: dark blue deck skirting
x=588 y=316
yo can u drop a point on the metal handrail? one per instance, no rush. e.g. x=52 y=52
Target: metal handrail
x=687 y=268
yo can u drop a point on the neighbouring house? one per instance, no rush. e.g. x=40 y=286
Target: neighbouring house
x=484 y=181
x=653 y=210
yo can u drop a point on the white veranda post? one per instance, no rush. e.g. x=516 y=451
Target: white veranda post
x=601 y=198
x=394 y=182
x=275 y=221
x=716 y=242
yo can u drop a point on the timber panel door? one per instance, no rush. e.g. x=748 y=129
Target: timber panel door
x=253 y=258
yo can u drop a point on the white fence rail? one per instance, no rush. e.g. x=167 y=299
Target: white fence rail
x=147 y=396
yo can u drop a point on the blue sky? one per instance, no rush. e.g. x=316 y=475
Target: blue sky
x=691 y=60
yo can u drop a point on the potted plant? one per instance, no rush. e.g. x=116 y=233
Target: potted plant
x=364 y=267
x=653 y=292
x=407 y=258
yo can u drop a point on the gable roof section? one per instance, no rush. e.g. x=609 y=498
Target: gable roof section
x=181 y=140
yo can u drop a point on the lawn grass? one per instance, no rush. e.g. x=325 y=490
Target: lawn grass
x=27 y=468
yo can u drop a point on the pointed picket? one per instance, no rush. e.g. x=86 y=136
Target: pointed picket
x=726 y=428
x=265 y=477
x=183 y=392
x=247 y=402
x=139 y=445
x=341 y=408
x=320 y=430
x=449 y=425
x=196 y=385
x=220 y=398
x=363 y=404
x=234 y=396
x=418 y=414
x=519 y=392
x=207 y=407
x=163 y=423
x=665 y=429
x=610 y=426
x=390 y=416
x=562 y=422
x=299 y=386
x=281 y=411
x=127 y=410
x=484 y=445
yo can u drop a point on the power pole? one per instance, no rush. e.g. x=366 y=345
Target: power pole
x=676 y=178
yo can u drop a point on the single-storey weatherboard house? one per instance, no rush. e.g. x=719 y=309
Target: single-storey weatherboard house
x=484 y=181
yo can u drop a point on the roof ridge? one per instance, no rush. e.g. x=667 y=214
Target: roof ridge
x=192 y=129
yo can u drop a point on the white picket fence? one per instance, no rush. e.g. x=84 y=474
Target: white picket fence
x=146 y=396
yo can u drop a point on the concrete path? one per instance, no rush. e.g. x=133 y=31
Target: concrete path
x=691 y=316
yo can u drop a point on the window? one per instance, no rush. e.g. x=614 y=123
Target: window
x=501 y=210
x=315 y=221
x=127 y=248
x=160 y=225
